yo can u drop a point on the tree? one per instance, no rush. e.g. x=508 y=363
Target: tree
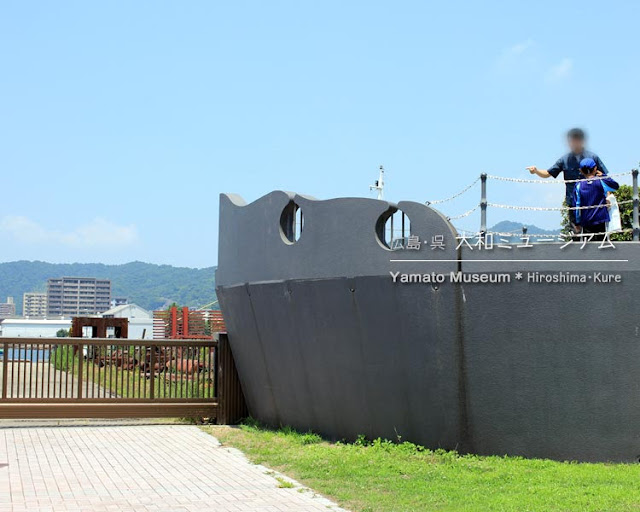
x=624 y=193
x=62 y=333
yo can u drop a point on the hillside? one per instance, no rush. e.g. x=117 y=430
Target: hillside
x=507 y=226
x=150 y=286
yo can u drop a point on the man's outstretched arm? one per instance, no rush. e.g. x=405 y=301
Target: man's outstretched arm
x=551 y=172
x=543 y=173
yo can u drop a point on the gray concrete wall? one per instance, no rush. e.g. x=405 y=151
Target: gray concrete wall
x=324 y=340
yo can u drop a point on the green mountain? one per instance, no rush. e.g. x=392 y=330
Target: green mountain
x=507 y=226
x=150 y=286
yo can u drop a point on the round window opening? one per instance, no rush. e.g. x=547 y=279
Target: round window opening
x=393 y=229
x=291 y=223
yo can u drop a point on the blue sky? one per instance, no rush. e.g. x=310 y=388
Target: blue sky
x=122 y=122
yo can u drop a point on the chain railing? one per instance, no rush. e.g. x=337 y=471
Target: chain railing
x=484 y=204
x=454 y=196
x=555 y=182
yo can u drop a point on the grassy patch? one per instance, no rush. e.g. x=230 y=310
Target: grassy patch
x=381 y=476
x=283 y=484
x=129 y=383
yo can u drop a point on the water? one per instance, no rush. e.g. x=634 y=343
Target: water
x=27 y=354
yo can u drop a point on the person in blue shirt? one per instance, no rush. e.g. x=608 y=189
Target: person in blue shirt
x=593 y=192
x=569 y=166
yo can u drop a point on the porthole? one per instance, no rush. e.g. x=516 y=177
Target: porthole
x=393 y=229
x=291 y=223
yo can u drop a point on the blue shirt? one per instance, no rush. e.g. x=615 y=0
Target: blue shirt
x=591 y=193
x=569 y=164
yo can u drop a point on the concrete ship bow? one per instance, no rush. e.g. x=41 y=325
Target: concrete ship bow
x=327 y=338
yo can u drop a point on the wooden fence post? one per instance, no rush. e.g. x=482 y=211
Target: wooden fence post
x=5 y=369
x=152 y=372
x=80 y=352
x=231 y=403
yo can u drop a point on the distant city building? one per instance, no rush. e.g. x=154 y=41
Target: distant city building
x=119 y=301
x=78 y=296
x=7 y=309
x=140 y=320
x=34 y=305
x=28 y=328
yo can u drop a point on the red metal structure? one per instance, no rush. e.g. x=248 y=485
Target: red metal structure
x=185 y=324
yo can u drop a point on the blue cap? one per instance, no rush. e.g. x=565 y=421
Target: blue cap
x=587 y=162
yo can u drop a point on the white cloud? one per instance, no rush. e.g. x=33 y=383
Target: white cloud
x=526 y=59
x=513 y=55
x=519 y=48
x=99 y=233
x=560 y=71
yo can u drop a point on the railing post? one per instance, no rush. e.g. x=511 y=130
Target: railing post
x=483 y=204
x=152 y=372
x=636 y=225
x=221 y=374
x=5 y=369
x=80 y=369
x=231 y=404
x=174 y=322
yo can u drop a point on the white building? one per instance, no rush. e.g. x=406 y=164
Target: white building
x=28 y=328
x=119 y=301
x=34 y=305
x=77 y=296
x=140 y=324
x=140 y=320
x=7 y=309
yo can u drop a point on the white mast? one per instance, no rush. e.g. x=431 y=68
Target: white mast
x=379 y=184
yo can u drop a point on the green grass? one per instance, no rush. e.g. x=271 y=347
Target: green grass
x=384 y=476
x=284 y=484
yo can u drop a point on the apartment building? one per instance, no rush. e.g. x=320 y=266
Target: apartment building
x=8 y=309
x=34 y=305
x=78 y=296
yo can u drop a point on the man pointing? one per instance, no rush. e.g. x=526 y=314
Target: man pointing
x=569 y=165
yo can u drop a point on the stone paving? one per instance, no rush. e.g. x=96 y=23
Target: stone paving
x=175 y=468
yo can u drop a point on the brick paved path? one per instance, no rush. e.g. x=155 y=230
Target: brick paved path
x=137 y=468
